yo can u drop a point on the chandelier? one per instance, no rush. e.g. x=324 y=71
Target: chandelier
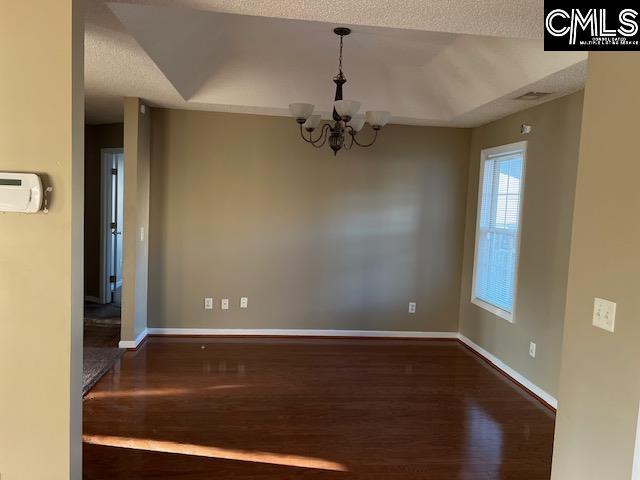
x=346 y=121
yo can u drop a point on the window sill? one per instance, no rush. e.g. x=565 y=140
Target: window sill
x=508 y=316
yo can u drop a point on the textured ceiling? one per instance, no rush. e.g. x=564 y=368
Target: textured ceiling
x=429 y=63
x=501 y=18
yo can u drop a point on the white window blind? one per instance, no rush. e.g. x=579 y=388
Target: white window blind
x=498 y=229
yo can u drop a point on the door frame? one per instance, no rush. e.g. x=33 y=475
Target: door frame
x=106 y=260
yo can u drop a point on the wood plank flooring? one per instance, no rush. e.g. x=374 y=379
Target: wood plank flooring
x=281 y=408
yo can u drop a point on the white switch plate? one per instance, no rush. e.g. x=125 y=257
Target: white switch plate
x=532 y=350
x=142 y=234
x=244 y=302
x=208 y=303
x=412 y=307
x=604 y=314
x=224 y=304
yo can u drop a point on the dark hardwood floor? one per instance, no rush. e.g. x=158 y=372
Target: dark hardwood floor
x=278 y=408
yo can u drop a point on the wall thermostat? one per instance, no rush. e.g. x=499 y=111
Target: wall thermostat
x=20 y=192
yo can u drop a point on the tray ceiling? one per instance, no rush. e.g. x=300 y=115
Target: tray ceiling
x=198 y=55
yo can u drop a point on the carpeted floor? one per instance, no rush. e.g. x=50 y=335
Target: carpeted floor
x=96 y=362
x=101 y=337
x=109 y=312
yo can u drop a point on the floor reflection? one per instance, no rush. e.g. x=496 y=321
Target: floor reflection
x=213 y=452
x=153 y=392
x=484 y=439
x=320 y=409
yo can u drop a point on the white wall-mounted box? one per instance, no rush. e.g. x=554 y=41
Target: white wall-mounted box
x=20 y=192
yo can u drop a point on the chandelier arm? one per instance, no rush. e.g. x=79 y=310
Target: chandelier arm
x=322 y=136
x=355 y=140
x=348 y=147
x=308 y=140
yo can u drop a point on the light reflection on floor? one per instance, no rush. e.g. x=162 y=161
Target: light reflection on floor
x=154 y=392
x=213 y=452
x=484 y=439
x=258 y=408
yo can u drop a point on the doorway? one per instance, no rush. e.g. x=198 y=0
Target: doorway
x=112 y=202
x=102 y=320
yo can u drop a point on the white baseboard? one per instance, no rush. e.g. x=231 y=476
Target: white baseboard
x=299 y=332
x=89 y=298
x=133 y=343
x=521 y=379
x=348 y=333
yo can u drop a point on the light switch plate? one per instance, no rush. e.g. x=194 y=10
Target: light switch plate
x=208 y=303
x=244 y=302
x=412 y=307
x=224 y=304
x=532 y=350
x=604 y=314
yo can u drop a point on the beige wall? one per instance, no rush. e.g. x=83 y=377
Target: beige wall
x=241 y=206
x=135 y=248
x=96 y=138
x=599 y=382
x=552 y=155
x=41 y=130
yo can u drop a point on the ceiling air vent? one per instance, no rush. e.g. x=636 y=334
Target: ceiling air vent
x=532 y=96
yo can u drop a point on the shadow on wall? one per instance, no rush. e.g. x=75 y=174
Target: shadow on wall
x=314 y=241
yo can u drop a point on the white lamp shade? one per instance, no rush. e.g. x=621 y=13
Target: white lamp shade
x=301 y=110
x=312 y=122
x=347 y=108
x=378 y=118
x=357 y=122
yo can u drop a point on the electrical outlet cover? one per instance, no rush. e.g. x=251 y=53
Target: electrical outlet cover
x=604 y=314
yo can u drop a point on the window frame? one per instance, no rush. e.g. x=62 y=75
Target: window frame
x=485 y=155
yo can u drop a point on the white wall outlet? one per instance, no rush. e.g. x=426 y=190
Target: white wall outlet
x=224 y=304
x=412 y=307
x=604 y=314
x=244 y=302
x=532 y=350
x=208 y=303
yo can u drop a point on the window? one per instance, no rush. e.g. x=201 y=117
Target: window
x=498 y=230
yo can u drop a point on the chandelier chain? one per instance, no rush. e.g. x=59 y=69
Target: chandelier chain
x=340 y=57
